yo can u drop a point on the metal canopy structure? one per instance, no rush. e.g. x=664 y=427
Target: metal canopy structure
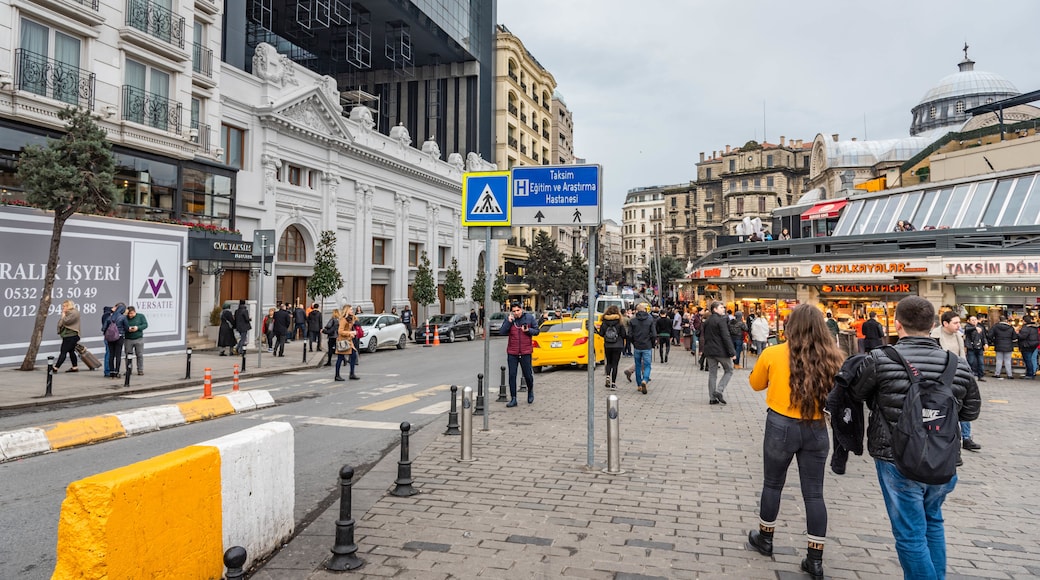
x=999 y=106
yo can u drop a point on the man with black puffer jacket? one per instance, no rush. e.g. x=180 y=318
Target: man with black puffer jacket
x=642 y=333
x=1003 y=337
x=1028 y=341
x=663 y=327
x=914 y=508
x=718 y=350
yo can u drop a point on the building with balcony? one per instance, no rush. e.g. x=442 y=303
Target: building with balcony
x=231 y=139
x=562 y=142
x=609 y=253
x=642 y=228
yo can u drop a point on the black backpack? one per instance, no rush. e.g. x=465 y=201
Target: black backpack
x=610 y=335
x=927 y=437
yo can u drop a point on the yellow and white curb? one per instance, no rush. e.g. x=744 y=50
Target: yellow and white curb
x=36 y=440
x=174 y=515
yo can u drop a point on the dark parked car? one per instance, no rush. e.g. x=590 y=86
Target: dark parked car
x=450 y=327
x=495 y=322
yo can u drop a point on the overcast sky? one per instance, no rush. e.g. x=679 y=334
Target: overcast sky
x=653 y=83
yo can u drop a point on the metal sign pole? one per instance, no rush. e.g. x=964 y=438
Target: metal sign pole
x=488 y=281
x=592 y=343
x=260 y=305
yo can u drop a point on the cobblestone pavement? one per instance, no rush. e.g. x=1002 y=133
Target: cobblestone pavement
x=529 y=507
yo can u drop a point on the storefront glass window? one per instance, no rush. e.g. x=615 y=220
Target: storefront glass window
x=924 y=210
x=145 y=188
x=1031 y=208
x=978 y=198
x=909 y=207
x=868 y=212
x=876 y=217
x=1016 y=201
x=887 y=217
x=992 y=213
x=848 y=218
x=206 y=198
x=942 y=199
x=955 y=207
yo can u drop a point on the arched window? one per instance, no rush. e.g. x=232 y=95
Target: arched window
x=931 y=112
x=960 y=106
x=291 y=247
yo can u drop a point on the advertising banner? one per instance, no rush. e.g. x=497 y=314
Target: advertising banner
x=102 y=262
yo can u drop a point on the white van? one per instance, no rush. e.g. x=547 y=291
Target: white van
x=604 y=302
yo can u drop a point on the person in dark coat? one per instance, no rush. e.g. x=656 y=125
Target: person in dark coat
x=283 y=321
x=873 y=333
x=300 y=319
x=314 y=326
x=718 y=350
x=226 y=335
x=846 y=415
x=612 y=349
x=243 y=324
x=914 y=508
x=663 y=326
x=1028 y=341
x=974 y=343
x=642 y=333
x=115 y=347
x=520 y=327
x=1003 y=337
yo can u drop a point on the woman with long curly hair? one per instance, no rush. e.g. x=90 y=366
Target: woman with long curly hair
x=797 y=377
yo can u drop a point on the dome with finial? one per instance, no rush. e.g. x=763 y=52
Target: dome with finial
x=943 y=106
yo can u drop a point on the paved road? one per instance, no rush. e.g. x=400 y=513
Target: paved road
x=335 y=423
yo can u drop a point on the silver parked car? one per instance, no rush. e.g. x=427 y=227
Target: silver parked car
x=495 y=322
x=382 y=330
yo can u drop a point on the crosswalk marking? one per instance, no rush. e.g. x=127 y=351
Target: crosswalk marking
x=434 y=409
x=330 y=422
x=403 y=399
x=385 y=390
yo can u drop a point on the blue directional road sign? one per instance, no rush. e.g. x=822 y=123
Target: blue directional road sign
x=485 y=198
x=557 y=195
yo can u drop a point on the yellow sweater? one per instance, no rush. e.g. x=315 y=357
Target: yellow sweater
x=772 y=373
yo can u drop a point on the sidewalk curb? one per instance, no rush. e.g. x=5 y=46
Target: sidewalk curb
x=37 y=440
x=42 y=401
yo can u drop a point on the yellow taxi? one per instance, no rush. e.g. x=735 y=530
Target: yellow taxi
x=564 y=343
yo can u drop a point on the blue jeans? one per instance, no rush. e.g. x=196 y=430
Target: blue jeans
x=1029 y=358
x=915 y=510
x=975 y=361
x=785 y=439
x=643 y=360
x=965 y=430
x=107 y=370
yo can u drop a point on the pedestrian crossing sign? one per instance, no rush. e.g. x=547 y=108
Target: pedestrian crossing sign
x=485 y=198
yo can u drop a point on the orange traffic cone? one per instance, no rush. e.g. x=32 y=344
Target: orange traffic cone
x=436 y=336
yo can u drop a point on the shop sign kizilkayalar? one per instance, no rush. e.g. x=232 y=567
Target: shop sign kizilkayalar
x=901 y=288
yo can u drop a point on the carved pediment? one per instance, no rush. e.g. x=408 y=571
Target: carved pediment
x=315 y=114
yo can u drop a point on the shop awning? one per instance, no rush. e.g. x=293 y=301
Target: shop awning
x=825 y=210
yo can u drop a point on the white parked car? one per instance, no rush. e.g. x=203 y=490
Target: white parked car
x=382 y=330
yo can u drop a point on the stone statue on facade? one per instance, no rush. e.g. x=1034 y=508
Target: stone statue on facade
x=400 y=134
x=431 y=148
x=455 y=160
x=273 y=67
x=362 y=115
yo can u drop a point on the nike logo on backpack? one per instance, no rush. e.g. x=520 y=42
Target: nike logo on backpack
x=928 y=415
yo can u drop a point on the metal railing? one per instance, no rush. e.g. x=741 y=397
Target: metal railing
x=35 y=73
x=155 y=20
x=140 y=106
x=512 y=109
x=198 y=133
x=201 y=60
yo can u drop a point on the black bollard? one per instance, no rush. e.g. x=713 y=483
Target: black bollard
x=304 y=350
x=403 y=485
x=523 y=383
x=478 y=405
x=187 y=364
x=344 y=552
x=502 y=387
x=242 y=368
x=234 y=559
x=129 y=371
x=453 y=414
x=50 y=379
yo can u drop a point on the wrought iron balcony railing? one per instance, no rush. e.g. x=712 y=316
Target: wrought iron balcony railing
x=150 y=109
x=38 y=74
x=155 y=20
x=199 y=134
x=201 y=60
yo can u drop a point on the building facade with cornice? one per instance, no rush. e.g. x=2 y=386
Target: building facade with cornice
x=642 y=230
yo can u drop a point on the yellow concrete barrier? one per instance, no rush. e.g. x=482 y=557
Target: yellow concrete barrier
x=202 y=409
x=158 y=518
x=82 y=431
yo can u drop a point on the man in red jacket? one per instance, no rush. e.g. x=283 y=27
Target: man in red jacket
x=520 y=327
